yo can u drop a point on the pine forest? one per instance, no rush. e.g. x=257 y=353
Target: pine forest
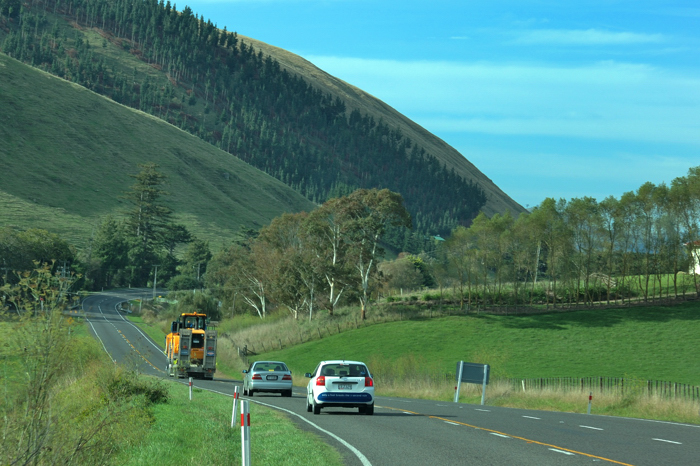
x=181 y=68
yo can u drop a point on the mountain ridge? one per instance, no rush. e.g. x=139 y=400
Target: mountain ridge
x=497 y=200
x=264 y=105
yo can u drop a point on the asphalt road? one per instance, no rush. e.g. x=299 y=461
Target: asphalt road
x=419 y=432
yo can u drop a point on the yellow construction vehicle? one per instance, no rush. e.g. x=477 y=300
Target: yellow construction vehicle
x=191 y=348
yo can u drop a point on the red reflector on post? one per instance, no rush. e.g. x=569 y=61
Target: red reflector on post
x=245 y=420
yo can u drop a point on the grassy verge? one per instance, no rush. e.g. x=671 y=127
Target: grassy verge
x=501 y=393
x=199 y=432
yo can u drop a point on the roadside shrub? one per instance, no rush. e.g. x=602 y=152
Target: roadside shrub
x=122 y=385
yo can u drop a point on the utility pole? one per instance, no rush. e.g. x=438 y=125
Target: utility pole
x=155 y=280
x=5 y=268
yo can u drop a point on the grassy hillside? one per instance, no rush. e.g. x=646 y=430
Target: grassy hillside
x=67 y=153
x=355 y=98
x=270 y=108
x=656 y=343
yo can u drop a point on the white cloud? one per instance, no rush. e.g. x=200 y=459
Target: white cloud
x=605 y=100
x=585 y=37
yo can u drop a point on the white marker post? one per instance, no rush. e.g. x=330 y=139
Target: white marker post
x=235 y=400
x=190 y=388
x=245 y=433
x=483 y=387
x=459 y=381
x=590 y=400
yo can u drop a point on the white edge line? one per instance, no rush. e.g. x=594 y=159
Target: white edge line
x=589 y=427
x=484 y=410
x=453 y=423
x=532 y=417
x=102 y=342
x=500 y=435
x=667 y=441
x=357 y=452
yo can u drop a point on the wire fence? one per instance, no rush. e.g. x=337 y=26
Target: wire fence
x=611 y=385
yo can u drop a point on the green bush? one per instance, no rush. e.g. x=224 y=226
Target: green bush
x=122 y=385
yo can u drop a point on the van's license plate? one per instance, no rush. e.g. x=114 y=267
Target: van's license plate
x=344 y=386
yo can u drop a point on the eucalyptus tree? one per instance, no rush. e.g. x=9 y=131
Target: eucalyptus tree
x=330 y=230
x=296 y=278
x=686 y=192
x=223 y=278
x=460 y=250
x=584 y=221
x=626 y=238
x=611 y=224
x=671 y=228
x=490 y=235
x=368 y=213
x=550 y=230
x=647 y=207
x=523 y=251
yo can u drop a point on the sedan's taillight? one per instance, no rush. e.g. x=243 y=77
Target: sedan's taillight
x=321 y=380
x=257 y=377
x=369 y=382
x=286 y=377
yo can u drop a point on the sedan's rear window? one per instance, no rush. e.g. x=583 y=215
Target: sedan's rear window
x=345 y=370
x=270 y=366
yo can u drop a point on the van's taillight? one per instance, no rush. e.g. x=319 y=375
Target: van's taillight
x=321 y=380
x=257 y=377
x=286 y=377
x=369 y=382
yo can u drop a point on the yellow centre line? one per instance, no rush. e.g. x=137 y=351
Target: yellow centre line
x=512 y=436
x=138 y=352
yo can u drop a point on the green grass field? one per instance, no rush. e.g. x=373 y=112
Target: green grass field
x=656 y=343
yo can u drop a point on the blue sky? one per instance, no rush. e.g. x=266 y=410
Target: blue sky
x=548 y=99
